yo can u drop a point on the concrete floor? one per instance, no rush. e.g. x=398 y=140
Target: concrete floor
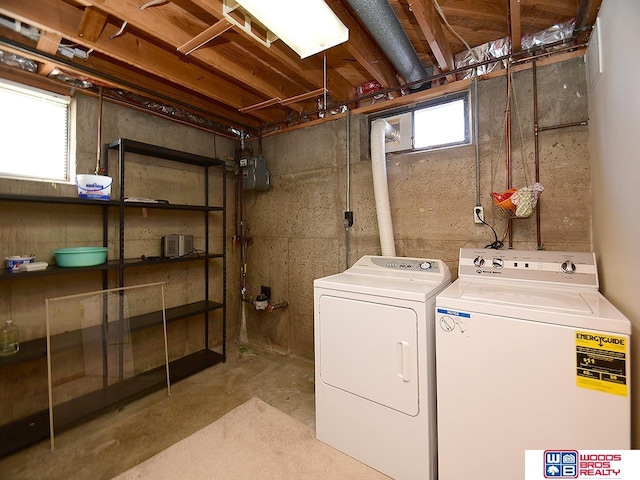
x=116 y=441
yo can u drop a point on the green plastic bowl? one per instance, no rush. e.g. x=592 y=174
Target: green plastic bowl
x=81 y=256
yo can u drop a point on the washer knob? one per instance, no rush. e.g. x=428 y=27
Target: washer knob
x=498 y=263
x=425 y=265
x=568 y=267
x=478 y=261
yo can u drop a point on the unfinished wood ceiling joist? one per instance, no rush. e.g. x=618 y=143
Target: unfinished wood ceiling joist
x=188 y=49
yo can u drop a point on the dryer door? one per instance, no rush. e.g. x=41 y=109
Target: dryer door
x=370 y=350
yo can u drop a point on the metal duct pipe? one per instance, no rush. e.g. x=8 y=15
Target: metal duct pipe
x=381 y=21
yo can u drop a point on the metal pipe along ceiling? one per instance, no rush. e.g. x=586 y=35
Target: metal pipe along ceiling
x=381 y=21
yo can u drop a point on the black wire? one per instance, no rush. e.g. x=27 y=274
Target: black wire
x=497 y=244
x=196 y=251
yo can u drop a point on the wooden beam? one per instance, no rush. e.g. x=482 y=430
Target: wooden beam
x=415 y=97
x=287 y=101
x=364 y=49
x=64 y=19
x=310 y=69
x=49 y=42
x=46 y=68
x=435 y=92
x=431 y=26
x=209 y=34
x=92 y=23
x=175 y=26
x=36 y=81
x=515 y=26
x=110 y=73
x=461 y=85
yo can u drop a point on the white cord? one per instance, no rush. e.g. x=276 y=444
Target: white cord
x=119 y=32
x=152 y=3
x=444 y=19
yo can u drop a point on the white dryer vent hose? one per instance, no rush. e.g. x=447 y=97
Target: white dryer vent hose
x=381 y=129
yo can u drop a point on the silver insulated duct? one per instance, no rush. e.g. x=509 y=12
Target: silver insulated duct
x=381 y=21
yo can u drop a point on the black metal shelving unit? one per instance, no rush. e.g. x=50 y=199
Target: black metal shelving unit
x=35 y=427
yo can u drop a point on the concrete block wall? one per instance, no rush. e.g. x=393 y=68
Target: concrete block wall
x=41 y=228
x=296 y=228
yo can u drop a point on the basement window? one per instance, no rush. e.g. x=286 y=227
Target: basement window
x=440 y=123
x=34 y=134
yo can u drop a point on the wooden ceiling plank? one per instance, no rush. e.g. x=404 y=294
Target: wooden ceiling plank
x=431 y=26
x=172 y=24
x=46 y=68
x=49 y=42
x=111 y=71
x=209 y=34
x=364 y=49
x=64 y=19
x=515 y=25
x=92 y=24
x=420 y=96
x=490 y=10
x=309 y=69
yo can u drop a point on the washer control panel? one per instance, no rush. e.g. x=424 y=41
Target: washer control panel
x=575 y=268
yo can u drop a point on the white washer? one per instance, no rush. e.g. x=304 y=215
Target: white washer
x=375 y=368
x=530 y=356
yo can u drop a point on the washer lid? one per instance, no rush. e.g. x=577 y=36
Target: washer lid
x=528 y=296
x=568 y=306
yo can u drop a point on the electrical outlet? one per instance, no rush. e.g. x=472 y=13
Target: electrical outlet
x=478 y=214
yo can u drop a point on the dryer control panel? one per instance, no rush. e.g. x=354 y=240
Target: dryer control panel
x=430 y=270
x=400 y=263
x=545 y=267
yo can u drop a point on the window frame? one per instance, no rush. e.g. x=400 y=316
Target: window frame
x=443 y=101
x=453 y=97
x=69 y=105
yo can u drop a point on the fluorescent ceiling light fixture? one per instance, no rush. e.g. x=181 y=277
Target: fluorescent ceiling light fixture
x=307 y=26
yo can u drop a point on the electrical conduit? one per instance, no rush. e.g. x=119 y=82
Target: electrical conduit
x=381 y=130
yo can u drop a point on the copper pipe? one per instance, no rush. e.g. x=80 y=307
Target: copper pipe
x=432 y=78
x=276 y=306
x=507 y=147
x=536 y=148
x=32 y=52
x=564 y=125
x=536 y=130
x=99 y=149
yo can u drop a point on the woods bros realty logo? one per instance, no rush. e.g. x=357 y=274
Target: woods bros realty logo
x=573 y=464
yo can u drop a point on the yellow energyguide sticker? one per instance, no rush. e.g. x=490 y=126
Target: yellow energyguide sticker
x=601 y=362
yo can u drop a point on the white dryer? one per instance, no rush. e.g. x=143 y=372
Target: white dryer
x=374 y=354
x=530 y=356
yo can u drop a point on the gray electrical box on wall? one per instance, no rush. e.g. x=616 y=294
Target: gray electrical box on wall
x=255 y=175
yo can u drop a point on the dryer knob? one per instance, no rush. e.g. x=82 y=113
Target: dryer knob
x=498 y=263
x=425 y=265
x=568 y=267
x=478 y=261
